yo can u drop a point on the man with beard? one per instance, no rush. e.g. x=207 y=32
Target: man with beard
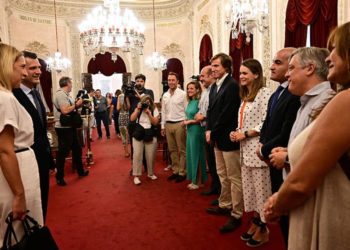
x=140 y=90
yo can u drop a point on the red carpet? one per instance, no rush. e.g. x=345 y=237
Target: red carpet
x=107 y=211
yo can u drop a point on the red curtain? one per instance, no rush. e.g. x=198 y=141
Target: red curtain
x=103 y=63
x=320 y=14
x=46 y=84
x=205 y=52
x=239 y=51
x=173 y=65
x=326 y=22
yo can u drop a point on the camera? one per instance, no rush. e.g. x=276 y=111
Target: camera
x=86 y=107
x=195 y=77
x=129 y=88
x=144 y=105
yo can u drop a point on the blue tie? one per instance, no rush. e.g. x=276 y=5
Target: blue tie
x=36 y=97
x=274 y=98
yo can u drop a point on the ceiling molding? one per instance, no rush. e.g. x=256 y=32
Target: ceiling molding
x=74 y=9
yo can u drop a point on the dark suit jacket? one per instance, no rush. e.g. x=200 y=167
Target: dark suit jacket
x=277 y=126
x=222 y=115
x=41 y=146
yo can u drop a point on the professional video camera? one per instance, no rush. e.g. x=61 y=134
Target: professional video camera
x=195 y=77
x=87 y=101
x=129 y=88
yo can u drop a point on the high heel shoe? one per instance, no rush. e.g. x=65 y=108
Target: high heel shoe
x=261 y=236
x=253 y=227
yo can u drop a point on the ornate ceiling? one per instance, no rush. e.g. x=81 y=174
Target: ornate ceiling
x=77 y=9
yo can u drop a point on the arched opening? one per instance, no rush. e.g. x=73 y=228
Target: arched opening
x=104 y=73
x=205 y=52
x=102 y=63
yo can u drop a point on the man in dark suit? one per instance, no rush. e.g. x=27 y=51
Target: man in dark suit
x=30 y=99
x=222 y=118
x=280 y=117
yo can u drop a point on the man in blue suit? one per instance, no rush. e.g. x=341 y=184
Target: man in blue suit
x=281 y=113
x=30 y=99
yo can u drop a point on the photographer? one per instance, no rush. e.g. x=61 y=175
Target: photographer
x=138 y=91
x=67 y=136
x=147 y=116
x=133 y=93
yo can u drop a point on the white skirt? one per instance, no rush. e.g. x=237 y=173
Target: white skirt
x=30 y=177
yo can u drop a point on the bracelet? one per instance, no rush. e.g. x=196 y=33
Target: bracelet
x=246 y=134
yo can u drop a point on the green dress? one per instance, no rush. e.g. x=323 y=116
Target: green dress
x=195 y=145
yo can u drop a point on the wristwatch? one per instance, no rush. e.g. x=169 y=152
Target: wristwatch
x=246 y=134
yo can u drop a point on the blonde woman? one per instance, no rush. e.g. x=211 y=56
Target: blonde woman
x=195 y=139
x=145 y=114
x=19 y=176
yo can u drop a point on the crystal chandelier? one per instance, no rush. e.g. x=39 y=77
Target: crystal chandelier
x=156 y=61
x=57 y=62
x=242 y=16
x=105 y=29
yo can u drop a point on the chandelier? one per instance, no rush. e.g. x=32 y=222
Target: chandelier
x=155 y=61
x=105 y=29
x=57 y=62
x=242 y=16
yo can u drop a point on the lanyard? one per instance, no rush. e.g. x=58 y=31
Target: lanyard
x=241 y=113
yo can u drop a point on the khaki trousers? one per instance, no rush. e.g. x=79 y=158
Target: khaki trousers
x=150 y=154
x=229 y=171
x=176 y=139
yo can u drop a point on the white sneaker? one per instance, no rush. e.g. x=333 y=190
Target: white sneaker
x=169 y=167
x=193 y=187
x=137 y=180
x=153 y=177
x=189 y=185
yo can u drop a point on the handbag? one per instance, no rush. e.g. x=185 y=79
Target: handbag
x=35 y=236
x=72 y=119
x=149 y=134
x=139 y=132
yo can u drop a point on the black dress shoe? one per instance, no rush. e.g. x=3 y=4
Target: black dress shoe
x=180 y=178
x=61 y=182
x=172 y=177
x=231 y=225
x=209 y=192
x=219 y=211
x=85 y=173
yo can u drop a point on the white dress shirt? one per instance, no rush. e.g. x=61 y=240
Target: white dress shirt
x=173 y=106
x=27 y=91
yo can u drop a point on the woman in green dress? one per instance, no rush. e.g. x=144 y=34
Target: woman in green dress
x=195 y=140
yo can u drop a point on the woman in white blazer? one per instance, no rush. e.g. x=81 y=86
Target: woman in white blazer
x=255 y=173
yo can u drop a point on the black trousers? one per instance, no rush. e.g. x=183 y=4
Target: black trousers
x=102 y=116
x=68 y=141
x=210 y=155
x=116 y=122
